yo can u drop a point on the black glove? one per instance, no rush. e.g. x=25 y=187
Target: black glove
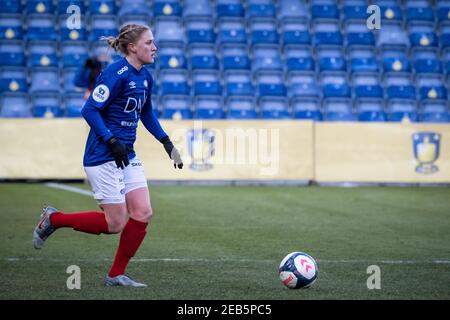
x=119 y=152
x=172 y=152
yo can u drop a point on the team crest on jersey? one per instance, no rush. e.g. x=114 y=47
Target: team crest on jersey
x=100 y=93
x=145 y=83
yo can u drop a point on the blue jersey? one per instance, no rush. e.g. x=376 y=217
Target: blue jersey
x=122 y=96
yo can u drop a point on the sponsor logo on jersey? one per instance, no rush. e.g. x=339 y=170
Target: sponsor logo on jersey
x=132 y=85
x=100 y=93
x=122 y=70
x=128 y=124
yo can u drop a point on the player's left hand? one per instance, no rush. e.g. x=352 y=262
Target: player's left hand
x=173 y=153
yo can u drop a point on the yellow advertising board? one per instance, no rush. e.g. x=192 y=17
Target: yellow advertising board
x=382 y=152
x=232 y=150
x=211 y=150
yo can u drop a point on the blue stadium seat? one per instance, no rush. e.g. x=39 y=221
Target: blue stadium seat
x=39 y=7
x=13 y=79
x=169 y=30
x=367 y=85
x=434 y=111
x=370 y=110
x=229 y=8
x=261 y=9
x=362 y=59
x=390 y=11
x=102 y=7
x=46 y=105
x=74 y=33
x=42 y=54
x=14 y=105
x=395 y=61
x=241 y=108
x=399 y=87
x=206 y=82
x=270 y=83
x=134 y=8
x=328 y=10
x=355 y=10
x=238 y=83
x=200 y=30
x=327 y=32
x=431 y=87
x=302 y=84
x=266 y=57
x=12 y=53
x=63 y=6
x=338 y=110
x=167 y=8
x=203 y=57
x=44 y=79
x=134 y=19
x=197 y=8
x=443 y=11
x=11 y=27
x=331 y=59
x=422 y=35
x=74 y=54
x=171 y=56
x=73 y=104
x=274 y=108
x=231 y=31
x=293 y=9
x=392 y=35
x=444 y=39
x=358 y=34
x=263 y=31
x=419 y=11
x=209 y=107
x=235 y=57
x=299 y=58
x=335 y=85
x=41 y=27
x=402 y=110
x=306 y=108
x=11 y=6
x=296 y=32
x=174 y=82
x=176 y=107
x=103 y=25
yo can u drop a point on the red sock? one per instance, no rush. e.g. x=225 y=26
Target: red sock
x=89 y=222
x=130 y=240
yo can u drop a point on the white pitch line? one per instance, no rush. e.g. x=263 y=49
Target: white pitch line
x=206 y=260
x=69 y=188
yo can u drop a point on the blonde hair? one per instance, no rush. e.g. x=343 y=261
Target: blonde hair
x=129 y=33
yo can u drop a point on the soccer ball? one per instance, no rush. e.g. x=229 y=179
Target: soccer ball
x=298 y=270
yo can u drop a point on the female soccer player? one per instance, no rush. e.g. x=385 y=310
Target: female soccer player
x=120 y=98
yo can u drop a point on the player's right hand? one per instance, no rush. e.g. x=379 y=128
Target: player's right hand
x=119 y=152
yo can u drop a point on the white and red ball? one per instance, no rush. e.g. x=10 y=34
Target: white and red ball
x=298 y=270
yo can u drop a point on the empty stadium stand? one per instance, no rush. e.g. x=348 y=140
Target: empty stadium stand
x=239 y=59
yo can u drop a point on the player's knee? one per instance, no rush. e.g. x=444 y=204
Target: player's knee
x=116 y=225
x=143 y=215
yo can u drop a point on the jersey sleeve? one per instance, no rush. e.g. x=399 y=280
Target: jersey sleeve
x=148 y=116
x=107 y=87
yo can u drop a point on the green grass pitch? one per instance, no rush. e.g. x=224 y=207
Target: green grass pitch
x=223 y=242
